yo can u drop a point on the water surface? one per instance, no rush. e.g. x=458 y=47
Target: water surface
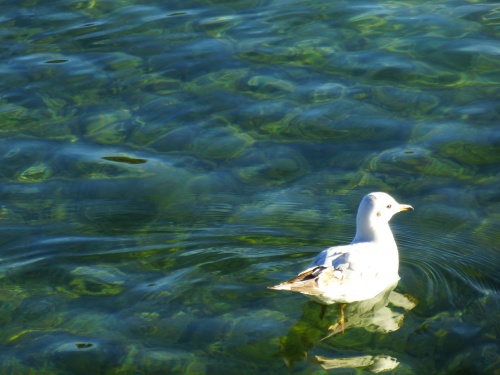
x=162 y=163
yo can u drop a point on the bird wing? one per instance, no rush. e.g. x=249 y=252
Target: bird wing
x=348 y=273
x=331 y=255
x=346 y=259
x=311 y=281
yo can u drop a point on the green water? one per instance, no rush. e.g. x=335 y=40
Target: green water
x=162 y=163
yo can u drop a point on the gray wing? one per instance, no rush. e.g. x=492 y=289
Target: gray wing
x=333 y=256
x=343 y=258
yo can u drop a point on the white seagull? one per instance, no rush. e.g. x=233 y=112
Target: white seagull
x=360 y=270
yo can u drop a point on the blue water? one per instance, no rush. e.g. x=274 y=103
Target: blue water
x=161 y=164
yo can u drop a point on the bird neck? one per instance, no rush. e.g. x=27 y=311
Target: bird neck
x=381 y=233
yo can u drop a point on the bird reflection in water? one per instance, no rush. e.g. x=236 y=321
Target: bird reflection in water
x=383 y=314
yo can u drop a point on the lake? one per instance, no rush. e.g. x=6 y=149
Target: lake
x=163 y=163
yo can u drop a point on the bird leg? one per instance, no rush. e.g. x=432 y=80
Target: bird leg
x=333 y=327
x=322 y=312
x=342 y=317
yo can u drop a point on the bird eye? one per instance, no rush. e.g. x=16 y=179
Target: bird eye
x=389 y=206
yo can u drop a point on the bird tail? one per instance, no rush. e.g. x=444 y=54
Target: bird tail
x=303 y=282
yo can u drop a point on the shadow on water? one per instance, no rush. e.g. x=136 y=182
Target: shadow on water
x=384 y=313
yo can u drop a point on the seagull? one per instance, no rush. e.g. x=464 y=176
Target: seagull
x=360 y=270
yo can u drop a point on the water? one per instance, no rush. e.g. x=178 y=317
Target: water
x=163 y=163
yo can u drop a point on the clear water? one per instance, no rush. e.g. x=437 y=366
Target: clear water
x=162 y=163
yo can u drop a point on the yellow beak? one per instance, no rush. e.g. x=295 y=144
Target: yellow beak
x=405 y=207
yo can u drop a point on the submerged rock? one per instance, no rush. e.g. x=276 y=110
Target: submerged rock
x=220 y=143
x=84 y=355
x=97 y=280
x=36 y=173
x=482 y=359
x=171 y=360
x=270 y=166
